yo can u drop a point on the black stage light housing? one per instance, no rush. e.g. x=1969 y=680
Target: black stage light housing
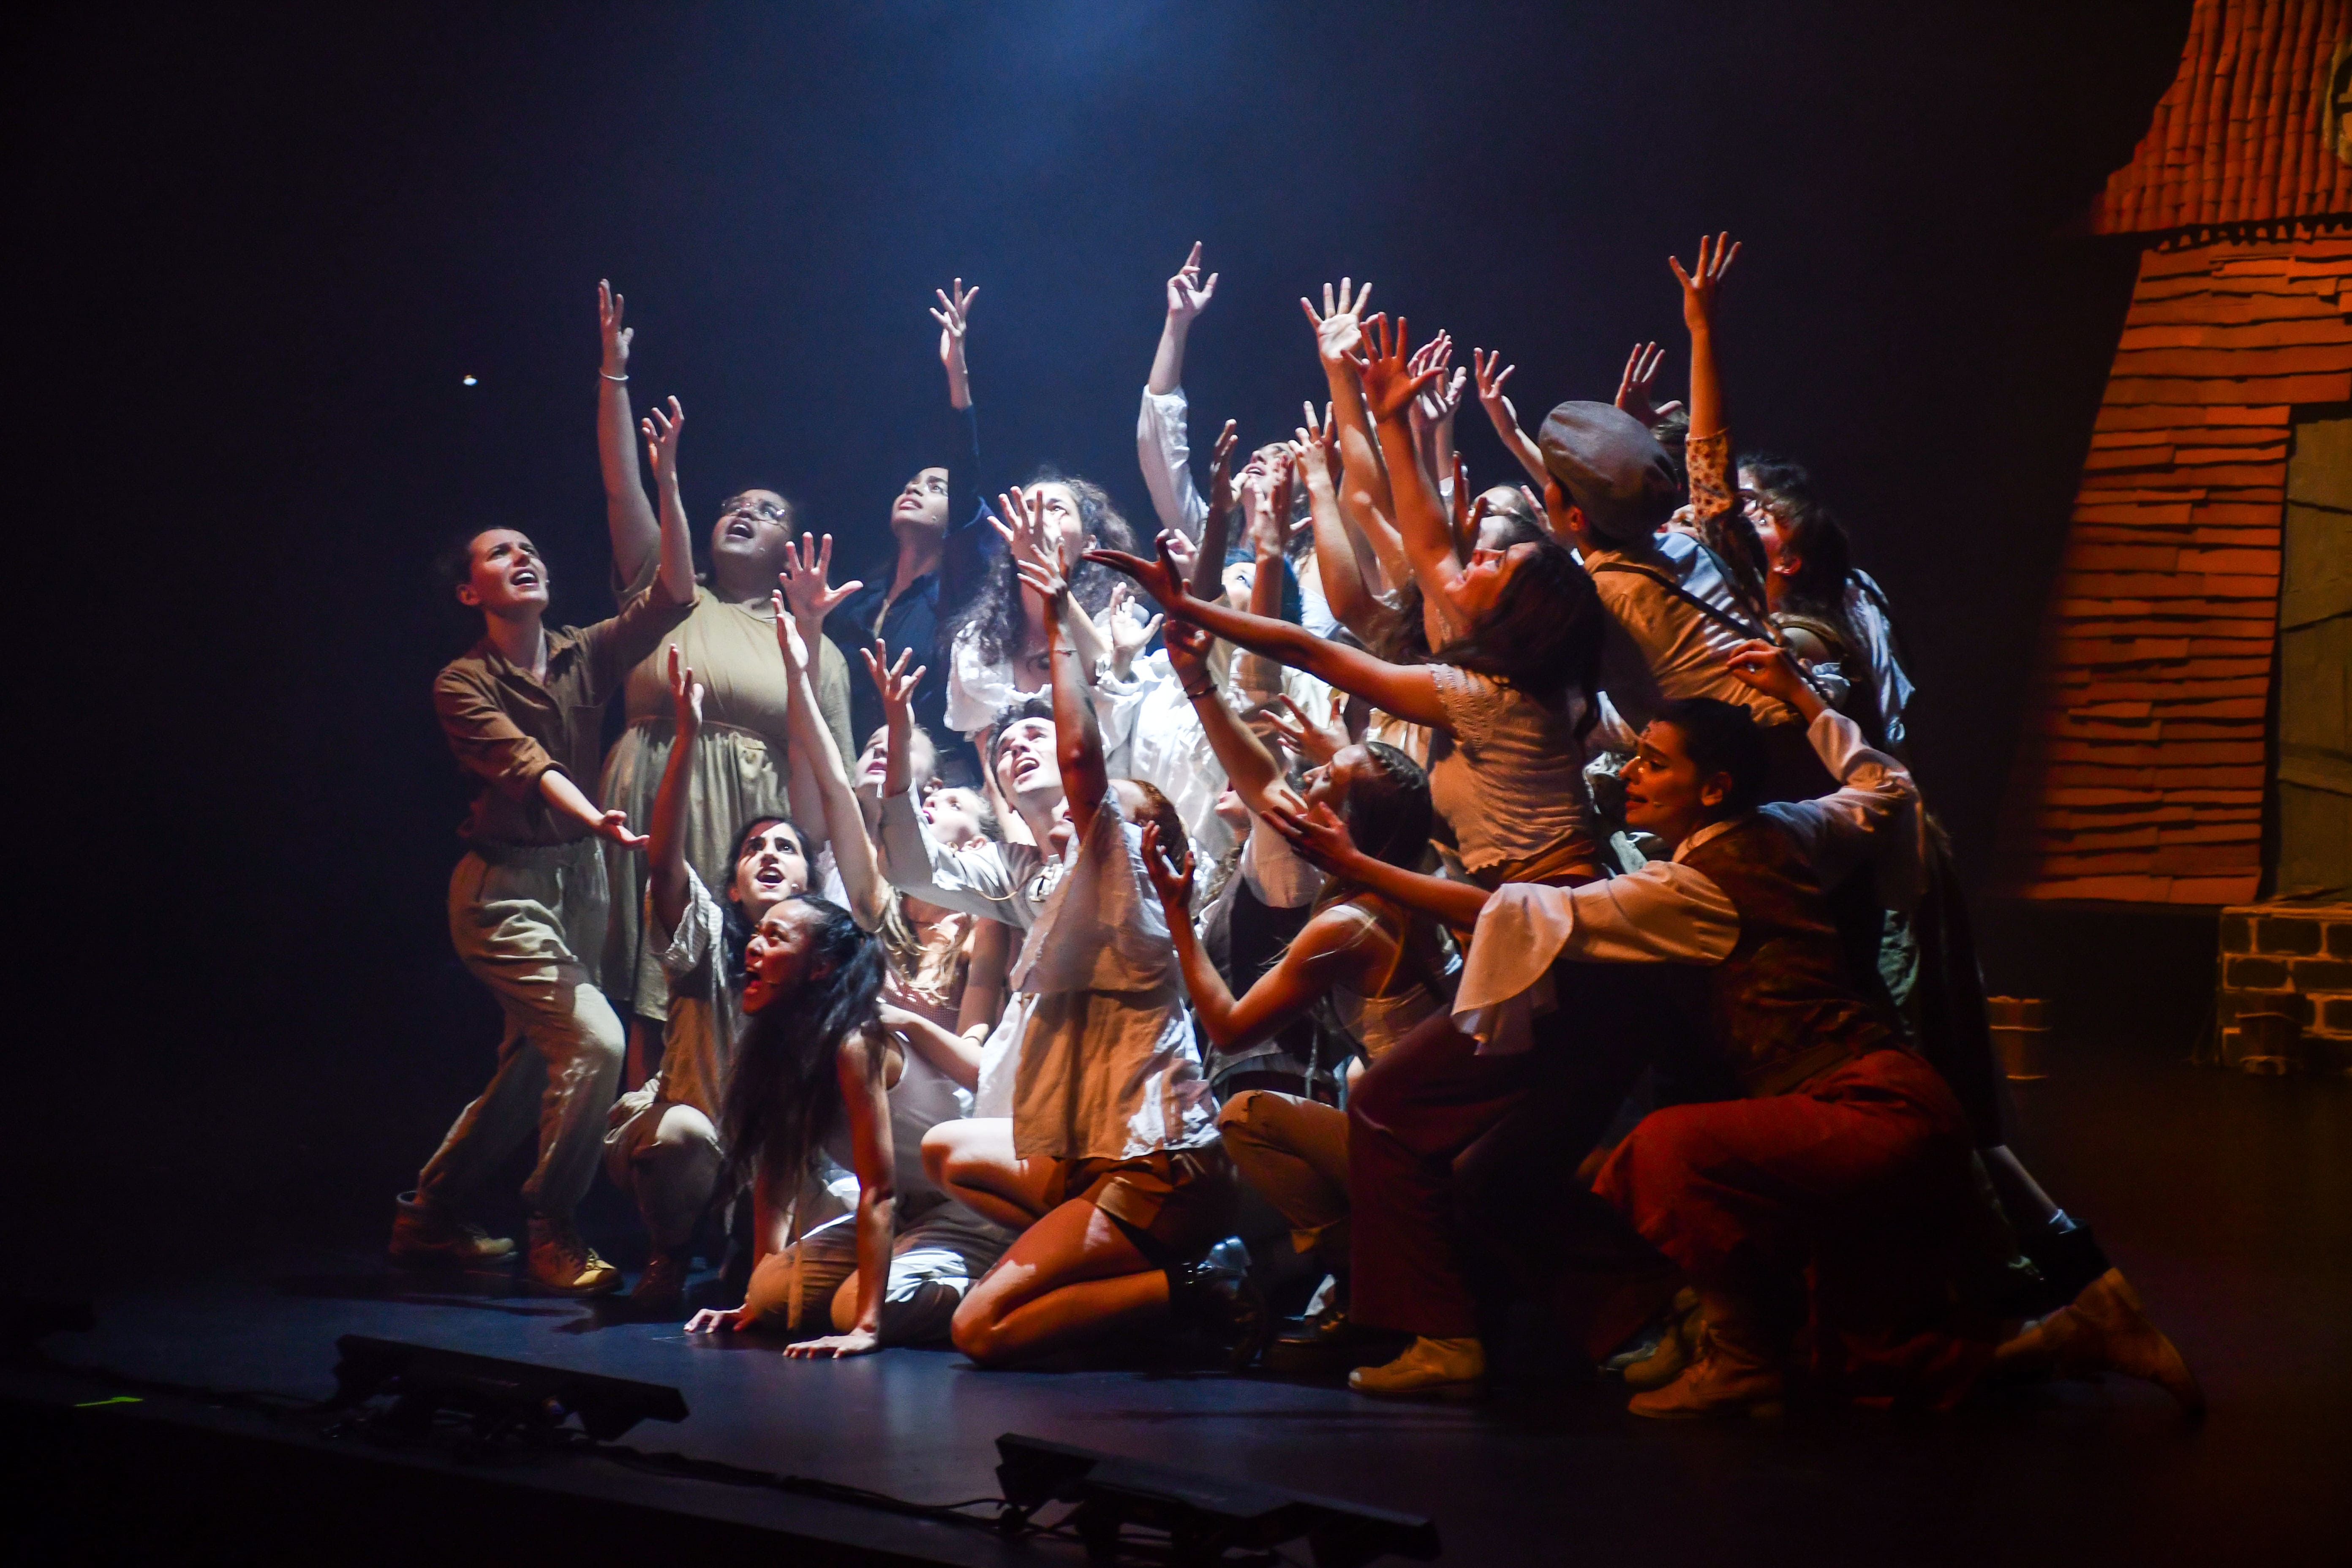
x=500 y=1394
x=1203 y=1516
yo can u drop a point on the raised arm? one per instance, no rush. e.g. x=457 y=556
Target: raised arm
x=1722 y=525
x=1389 y=386
x=1502 y=416
x=1269 y=534
x=1313 y=962
x=845 y=824
x=1322 y=839
x=1409 y=691
x=1217 y=522
x=1364 y=499
x=1188 y=295
x=666 y=874
x=628 y=515
x=955 y=315
x=1340 y=552
x=1431 y=415
x=1254 y=773
x=1636 y=388
x=1077 y=741
x=661 y=429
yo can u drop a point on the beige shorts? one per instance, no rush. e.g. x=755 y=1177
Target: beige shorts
x=1174 y=1205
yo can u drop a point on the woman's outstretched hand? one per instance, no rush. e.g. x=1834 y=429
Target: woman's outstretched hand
x=662 y=428
x=831 y=1347
x=1220 y=470
x=1172 y=877
x=1634 y=387
x=1386 y=370
x=807 y=566
x=1158 y=576
x=616 y=337
x=892 y=678
x=714 y=1318
x=685 y=695
x=1701 y=283
x=1037 y=560
x=1320 y=837
x=1773 y=670
x=1318 y=742
x=1339 y=327
x=1128 y=631
x=1188 y=293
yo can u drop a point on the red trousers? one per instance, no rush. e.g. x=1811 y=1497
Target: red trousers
x=1442 y=1142
x=1860 y=1184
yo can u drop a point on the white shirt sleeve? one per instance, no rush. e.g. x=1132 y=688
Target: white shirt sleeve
x=1874 y=816
x=977 y=880
x=976 y=688
x=1163 y=446
x=697 y=937
x=1276 y=873
x=1664 y=913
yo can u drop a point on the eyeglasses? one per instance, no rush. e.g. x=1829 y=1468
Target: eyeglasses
x=764 y=510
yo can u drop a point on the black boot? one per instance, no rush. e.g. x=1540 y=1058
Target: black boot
x=2066 y=1252
x=1222 y=1305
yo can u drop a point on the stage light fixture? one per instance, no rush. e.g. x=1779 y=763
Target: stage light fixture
x=1203 y=1516
x=502 y=1396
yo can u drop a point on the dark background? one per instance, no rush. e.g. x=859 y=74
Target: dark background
x=254 y=253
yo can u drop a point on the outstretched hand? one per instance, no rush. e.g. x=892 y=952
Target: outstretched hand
x=1339 y=328
x=789 y=641
x=1316 y=450
x=856 y=1341
x=1702 y=281
x=892 y=678
x=610 y=307
x=1317 y=835
x=1773 y=670
x=1385 y=368
x=1171 y=877
x=661 y=430
x=1188 y=649
x=685 y=696
x=1220 y=470
x=1037 y=560
x=807 y=566
x=1157 y=576
x=1633 y=388
x=953 y=313
x=1188 y=294
x=1129 y=633
x=613 y=825
x=714 y=1318
x=1318 y=742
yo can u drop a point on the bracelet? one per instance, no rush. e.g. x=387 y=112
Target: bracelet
x=1206 y=689
x=608 y=375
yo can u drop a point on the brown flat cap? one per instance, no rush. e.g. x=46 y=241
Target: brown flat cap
x=1610 y=465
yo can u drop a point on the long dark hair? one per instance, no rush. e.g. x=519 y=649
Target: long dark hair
x=1543 y=634
x=1814 y=536
x=783 y=1094
x=1389 y=814
x=995 y=619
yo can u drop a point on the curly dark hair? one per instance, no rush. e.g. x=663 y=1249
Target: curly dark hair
x=1815 y=536
x=1543 y=634
x=995 y=619
x=783 y=1095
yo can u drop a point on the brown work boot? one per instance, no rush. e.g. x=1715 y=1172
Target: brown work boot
x=660 y=1290
x=421 y=1234
x=2107 y=1329
x=1675 y=1347
x=1429 y=1369
x=561 y=1262
x=1733 y=1372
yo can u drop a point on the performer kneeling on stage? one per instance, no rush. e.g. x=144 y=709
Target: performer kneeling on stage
x=1110 y=1161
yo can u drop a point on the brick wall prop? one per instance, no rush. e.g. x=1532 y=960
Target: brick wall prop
x=2295 y=959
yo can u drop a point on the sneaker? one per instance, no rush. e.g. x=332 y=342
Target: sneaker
x=420 y=1235
x=1429 y=1369
x=661 y=1289
x=561 y=1262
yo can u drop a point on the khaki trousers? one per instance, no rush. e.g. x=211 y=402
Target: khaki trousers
x=1294 y=1153
x=665 y=1154
x=521 y=918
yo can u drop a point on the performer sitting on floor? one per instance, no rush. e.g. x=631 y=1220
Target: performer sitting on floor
x=524 y=710
x=1378 y=968
x=1110 y=1159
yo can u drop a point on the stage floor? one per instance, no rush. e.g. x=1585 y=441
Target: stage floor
x=2228 y=1200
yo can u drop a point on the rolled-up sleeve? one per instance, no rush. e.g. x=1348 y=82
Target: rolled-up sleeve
x=487 y=743
x=1874 y=816
x=1164 y=449
x=975 y=880
x=1664 y=913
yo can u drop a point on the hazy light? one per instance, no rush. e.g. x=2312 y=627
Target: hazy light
x=468 y=381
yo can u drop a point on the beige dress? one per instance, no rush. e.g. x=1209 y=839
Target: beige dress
x=737 y=770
